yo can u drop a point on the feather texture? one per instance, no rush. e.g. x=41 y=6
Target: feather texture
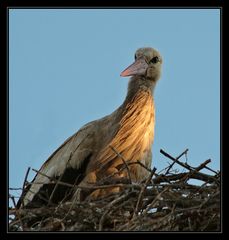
x=86 y=157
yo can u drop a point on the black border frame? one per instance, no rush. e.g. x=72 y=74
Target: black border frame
x=58 y=4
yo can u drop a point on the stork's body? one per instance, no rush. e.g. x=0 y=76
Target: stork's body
x=87 y=157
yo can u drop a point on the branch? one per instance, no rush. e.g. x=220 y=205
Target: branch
x=143 y=190
x=124 y=161
x=175 y=160
x=185 y=152
x=24 y=186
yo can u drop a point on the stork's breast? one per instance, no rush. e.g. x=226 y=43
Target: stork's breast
x=133 y=139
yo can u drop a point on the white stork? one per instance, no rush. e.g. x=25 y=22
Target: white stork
x=88 y=156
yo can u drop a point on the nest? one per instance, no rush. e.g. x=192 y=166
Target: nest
x=166 y=201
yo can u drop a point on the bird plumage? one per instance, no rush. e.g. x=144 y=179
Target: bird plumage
x=87 y=157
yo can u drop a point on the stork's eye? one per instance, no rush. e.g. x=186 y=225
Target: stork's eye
x=135 y=56
x=154 y=60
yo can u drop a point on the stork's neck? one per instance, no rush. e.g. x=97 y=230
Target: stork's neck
x=133 y=126
x=139 y=83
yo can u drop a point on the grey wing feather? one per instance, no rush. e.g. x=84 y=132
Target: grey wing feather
x=71 y=153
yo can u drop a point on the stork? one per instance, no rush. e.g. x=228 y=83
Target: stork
x=88 y=156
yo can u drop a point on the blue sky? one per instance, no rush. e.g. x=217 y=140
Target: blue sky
x=64 y=71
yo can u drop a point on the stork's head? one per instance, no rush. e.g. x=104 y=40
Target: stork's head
x=147 y=63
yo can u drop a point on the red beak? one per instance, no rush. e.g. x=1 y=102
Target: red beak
x=137 y=68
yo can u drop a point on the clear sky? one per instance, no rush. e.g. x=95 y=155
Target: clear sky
x=64 y=71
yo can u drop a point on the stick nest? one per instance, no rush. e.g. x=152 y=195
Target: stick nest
x=166 y=201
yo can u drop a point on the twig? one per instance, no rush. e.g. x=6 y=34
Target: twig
x=141 y=164
x=122 y=168
x=95 y=186
x=185 y=152
x=197 y=175
x=58 y=180
x=39 y=172
x=24 y=186
x=26 y=176
x=124 y=161
x=73 y=202
x=13 y=200
x=185 y=165
x=143 y=190
x=19 y=188
x=175 y=160
x=211 y=170
x=201 y=166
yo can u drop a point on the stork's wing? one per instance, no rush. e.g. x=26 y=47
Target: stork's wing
x=68 y=164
